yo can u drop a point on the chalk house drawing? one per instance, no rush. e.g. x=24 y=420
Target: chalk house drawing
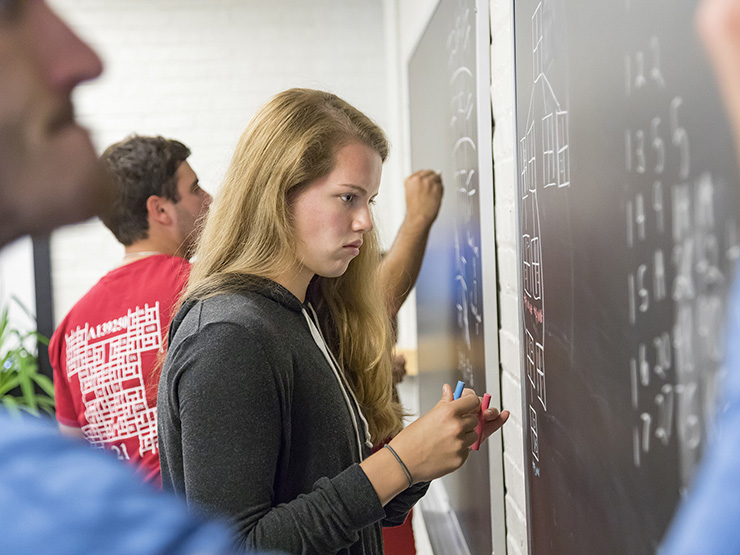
x=544 y=161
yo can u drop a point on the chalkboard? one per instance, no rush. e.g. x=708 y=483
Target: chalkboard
x=450 y=122
x=628 y=236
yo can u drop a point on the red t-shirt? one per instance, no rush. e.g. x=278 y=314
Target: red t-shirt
x=104 y=354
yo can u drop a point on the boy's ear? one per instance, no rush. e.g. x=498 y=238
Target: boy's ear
x=158 y=210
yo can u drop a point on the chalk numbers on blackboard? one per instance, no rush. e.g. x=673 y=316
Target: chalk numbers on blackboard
x=653 y=361
x=684 y=359
x=647 y=151
x=643 y=66
x=670 y=374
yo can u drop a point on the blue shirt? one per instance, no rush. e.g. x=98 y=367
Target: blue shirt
x=60 y=496
x=708 y=521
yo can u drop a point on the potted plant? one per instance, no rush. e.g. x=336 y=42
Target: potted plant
x=22 y=386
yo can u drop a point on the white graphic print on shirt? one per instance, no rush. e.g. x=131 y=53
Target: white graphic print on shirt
x=111 y=381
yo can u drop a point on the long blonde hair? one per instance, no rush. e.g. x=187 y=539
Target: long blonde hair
x=292 y=140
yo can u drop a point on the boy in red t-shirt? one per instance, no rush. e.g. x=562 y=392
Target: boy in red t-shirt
x=105 y=351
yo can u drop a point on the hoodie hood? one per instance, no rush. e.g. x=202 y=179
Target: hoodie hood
x=263 y=286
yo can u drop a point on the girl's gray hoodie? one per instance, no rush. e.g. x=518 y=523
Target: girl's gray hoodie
x=257 y=423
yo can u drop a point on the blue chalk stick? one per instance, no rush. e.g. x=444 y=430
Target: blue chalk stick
x=459 y=389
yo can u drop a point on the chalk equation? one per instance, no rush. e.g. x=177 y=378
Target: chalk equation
x=462 y=125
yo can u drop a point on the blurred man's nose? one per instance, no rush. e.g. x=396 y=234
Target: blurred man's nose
x=67 y=59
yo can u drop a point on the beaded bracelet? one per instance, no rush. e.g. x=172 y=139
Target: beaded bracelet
x=403 y=466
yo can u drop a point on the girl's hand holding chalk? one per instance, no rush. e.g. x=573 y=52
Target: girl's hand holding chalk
x=439 y=442
x=489 y=420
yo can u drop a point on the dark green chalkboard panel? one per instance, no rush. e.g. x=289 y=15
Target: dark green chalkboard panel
x=627 y=192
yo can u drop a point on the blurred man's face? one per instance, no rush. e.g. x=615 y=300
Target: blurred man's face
x=49 y=172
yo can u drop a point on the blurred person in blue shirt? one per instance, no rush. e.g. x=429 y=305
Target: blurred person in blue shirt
x=707 y=521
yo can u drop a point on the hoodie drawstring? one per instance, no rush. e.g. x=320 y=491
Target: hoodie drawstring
x=318 y=338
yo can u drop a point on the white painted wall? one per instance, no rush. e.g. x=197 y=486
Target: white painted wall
x=405 y=23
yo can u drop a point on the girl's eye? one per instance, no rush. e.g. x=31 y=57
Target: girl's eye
x=347 y=197
x=372 y=200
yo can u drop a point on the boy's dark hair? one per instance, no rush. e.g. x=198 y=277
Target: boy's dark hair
x=142 y=167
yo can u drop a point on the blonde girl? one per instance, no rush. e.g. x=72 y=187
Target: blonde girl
x=278 y=378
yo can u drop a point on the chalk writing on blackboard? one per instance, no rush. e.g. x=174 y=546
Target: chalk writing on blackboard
x=544 y=153
x=673 y=372
x=464 y=155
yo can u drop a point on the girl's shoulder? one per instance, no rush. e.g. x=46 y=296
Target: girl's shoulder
x=255 y=314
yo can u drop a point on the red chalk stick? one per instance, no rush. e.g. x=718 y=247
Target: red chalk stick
x=479 y=428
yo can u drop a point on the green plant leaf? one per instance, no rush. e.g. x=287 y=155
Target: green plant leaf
x=41 y=338
x=45 y=402
x=46 y=384
x=19 y=368
x=10 y=384
x=29 y=392
x=4 y=320
x=29 y=410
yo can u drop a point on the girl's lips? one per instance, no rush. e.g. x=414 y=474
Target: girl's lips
x=354 y=248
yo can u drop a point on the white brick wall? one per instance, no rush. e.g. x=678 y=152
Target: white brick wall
x=504 y=156
x=16 y=282
x=196 y=71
